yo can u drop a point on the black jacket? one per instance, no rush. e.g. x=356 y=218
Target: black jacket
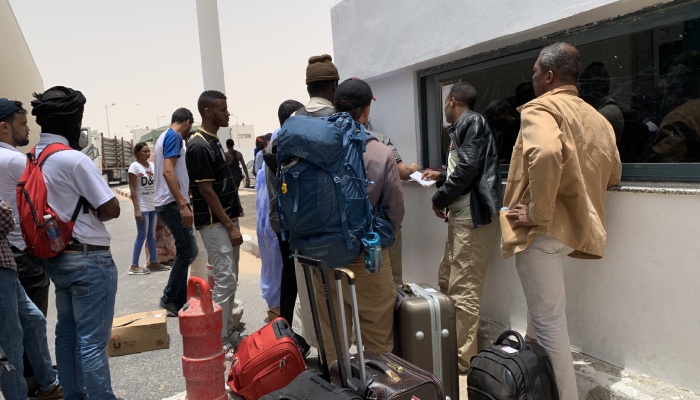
x=477 y=171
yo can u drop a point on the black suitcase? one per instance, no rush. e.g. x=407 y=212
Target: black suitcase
x=313 y=385
x=377 y=376
x=310 y=385
x=512 y=370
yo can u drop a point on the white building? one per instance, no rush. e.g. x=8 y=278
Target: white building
x=135 y=134
x=19 y=75
x=244 y=139
x=638 y=307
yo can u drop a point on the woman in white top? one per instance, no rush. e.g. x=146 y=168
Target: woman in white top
x=142 y=188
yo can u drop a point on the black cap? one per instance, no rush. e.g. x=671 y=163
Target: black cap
x=8 y=107
x=352 y=93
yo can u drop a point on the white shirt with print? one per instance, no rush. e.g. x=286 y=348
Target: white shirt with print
x=145 y=185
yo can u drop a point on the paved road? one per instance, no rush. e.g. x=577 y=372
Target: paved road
x=157 y=375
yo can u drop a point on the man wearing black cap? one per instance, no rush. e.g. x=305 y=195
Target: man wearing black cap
x=24 y=308
x=376 y=293
x=85 y=275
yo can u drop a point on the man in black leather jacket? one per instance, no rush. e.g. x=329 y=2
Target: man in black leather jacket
x=469 y=197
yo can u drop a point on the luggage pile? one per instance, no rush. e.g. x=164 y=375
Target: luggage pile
x=267 y=365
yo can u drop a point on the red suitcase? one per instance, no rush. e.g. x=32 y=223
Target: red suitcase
x=265 y=361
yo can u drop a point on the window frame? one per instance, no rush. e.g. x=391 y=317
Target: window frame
x=645 y=19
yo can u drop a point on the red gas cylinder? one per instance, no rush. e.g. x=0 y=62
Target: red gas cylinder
x=203 y=362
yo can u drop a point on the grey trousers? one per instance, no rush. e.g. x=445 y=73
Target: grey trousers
x=223 y=257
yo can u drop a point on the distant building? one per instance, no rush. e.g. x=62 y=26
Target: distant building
x=136 y=134
x=19 y=75
x=244 y=138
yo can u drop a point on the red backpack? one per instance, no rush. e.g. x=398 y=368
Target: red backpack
x=32 y=206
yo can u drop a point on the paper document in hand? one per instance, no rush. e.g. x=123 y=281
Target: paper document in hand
x=416 y=177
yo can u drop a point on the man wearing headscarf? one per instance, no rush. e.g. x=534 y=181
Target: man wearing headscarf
x=24 y=293
x=84 y=275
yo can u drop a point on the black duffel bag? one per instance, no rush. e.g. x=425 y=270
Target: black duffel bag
x=512 y=370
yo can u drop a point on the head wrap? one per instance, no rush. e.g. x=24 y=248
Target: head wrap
x=59 y=110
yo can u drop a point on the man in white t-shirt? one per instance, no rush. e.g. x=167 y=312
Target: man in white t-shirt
x=30 y=284
x=172 y=201
x=85 y=275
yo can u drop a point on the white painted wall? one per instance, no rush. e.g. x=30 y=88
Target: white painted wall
x=372 y=38
x=19 y=75
x=394 y=112
x=638 y=307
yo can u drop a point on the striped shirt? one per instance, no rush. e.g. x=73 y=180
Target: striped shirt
x=206 y=161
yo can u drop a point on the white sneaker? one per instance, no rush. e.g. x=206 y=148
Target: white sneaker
x=136 y=270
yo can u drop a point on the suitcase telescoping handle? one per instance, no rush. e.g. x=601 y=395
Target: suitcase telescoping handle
x=505 y=335
x=435 y=326
x=338 y=275
x=307 y=264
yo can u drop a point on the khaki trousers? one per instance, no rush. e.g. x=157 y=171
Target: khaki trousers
x=541 y=271
x=376 y=296
x=461 y=276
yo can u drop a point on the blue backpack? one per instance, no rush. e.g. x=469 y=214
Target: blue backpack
x=322 y=200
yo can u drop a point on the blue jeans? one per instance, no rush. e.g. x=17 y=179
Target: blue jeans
x=146 y=230
x=185 y=252
x=86 y=287
x=22 y=326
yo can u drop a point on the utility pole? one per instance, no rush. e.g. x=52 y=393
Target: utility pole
x=210 y=48
x=107 y=115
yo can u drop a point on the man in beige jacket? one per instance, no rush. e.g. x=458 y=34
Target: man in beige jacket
x=563 y=161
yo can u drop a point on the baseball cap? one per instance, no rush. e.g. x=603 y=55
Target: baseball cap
x=352 y=93
x=8 y=107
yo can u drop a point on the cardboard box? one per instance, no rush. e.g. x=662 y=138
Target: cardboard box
x=136 y=333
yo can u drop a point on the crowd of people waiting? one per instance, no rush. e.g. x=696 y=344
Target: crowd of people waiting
x=563 y=160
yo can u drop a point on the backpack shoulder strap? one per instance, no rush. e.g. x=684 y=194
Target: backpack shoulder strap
x=49 y=150
x=82 y=205
x=54 y=148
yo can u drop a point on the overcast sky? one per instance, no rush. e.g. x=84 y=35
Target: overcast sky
x=144 y=56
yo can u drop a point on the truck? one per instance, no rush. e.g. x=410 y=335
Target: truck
x=117 y=156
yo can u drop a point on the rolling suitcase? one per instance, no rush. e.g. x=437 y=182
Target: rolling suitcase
x=310 y=385
x=377 y=376
x=425 y=333
x=313 y=385
x=265 y=361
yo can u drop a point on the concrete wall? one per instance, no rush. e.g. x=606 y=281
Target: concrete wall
x=19 y=76
x=636 y=308
x=372 y=38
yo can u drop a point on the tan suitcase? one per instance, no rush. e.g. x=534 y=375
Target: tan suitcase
x=426 y=334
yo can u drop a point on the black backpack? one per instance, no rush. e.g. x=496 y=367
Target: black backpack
x=512 y=370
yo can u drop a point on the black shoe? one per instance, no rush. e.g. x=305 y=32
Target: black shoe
x=171 y=308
